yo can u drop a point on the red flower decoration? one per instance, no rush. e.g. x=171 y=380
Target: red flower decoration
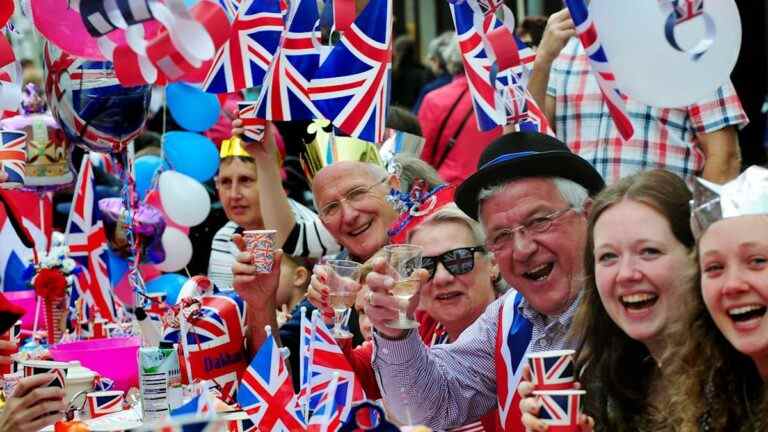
x=50 y=283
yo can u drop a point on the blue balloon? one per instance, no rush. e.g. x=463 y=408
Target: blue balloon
x=118 y=267
x=145 y=171
x=192 y=108
x=190 y=3
x=192 y=154
x=169 y=283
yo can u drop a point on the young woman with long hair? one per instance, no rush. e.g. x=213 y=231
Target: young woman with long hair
x=638 y=277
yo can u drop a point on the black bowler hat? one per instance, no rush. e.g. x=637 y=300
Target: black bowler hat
x=525 y=154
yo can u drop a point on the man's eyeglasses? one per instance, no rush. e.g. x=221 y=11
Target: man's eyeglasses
x=353 y=197
x=538 y=225
x=457 y=261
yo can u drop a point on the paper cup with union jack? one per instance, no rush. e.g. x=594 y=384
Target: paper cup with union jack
x=104 y=402
x=560 y=409
x=253 y=127
x=260 y=244
x=13 y=336
x=9 y=383
x=38 y=367
x=552 y=370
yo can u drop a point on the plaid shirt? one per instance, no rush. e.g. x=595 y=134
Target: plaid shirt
x=453 y=384
x=664 y=137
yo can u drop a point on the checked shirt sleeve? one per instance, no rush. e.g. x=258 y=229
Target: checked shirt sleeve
x=444 y=386
x=722 y=110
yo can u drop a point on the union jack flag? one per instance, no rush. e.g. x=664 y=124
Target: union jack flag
x=101 y=383
x=87 y=242
x=306 y=334
x=242 y=425
x=286 y=95
x=266 y=393
x=685 y=9
x=15 y=257
x=105 y=403
x=199 y=406
x=488 y=106
x=553 y=372
x=328 y=361
x=327 y=416
x=559 y=408
x=13 y=155
x=212 y=338
x=230 y=7
x=521 y=109
x=244 y=59
x=598 y=61
x=352 y=86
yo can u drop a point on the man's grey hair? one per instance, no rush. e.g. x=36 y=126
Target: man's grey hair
x=573 y=193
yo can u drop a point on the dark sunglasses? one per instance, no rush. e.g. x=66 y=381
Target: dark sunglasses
x=457 y=261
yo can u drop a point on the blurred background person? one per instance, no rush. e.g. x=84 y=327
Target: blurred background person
x=436 y=62
x=408 y=74
x=531 y=30
x=453 y=142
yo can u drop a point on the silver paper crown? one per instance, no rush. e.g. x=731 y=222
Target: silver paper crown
x=745 y=195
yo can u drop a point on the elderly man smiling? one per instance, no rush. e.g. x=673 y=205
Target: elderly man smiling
x=531 y=195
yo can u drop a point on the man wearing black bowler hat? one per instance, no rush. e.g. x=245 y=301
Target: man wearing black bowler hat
x=532 y=197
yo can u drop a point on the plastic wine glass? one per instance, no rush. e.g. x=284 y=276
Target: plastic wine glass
x=343 y=287
x=404 y=259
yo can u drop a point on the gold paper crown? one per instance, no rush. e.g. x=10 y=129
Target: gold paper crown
x=232 y=147
x=327 y=148
x=745 y=195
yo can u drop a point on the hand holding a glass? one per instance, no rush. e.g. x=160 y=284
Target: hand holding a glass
x=343 y=285
x=394 y=285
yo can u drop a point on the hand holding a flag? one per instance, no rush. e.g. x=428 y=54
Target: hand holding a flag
x=264 y=151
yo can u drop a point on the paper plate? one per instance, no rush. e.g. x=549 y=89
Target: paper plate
x=648 y=68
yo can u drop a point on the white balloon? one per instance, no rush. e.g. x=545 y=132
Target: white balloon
x=178 y=250
x=184 y=199
x=648 y=68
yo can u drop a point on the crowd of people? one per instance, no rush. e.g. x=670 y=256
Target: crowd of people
x=649 y=258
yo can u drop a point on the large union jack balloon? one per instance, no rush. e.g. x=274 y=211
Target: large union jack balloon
x=89 y=103
x=352 y=86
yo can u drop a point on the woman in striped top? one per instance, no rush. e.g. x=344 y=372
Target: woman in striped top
x=249 y=176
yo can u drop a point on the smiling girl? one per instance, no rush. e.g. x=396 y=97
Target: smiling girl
x=638 y=271
x=722 y=363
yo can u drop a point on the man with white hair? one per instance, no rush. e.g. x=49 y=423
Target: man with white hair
x=532 y=196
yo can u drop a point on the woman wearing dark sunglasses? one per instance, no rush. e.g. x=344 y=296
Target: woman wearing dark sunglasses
x=463 y=281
